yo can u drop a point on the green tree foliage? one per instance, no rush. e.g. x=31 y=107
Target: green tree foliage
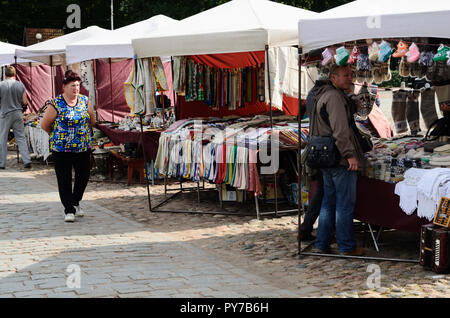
x=15 y=15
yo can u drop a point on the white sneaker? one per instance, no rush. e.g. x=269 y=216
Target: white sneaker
x=78 y=211
x=70 y=217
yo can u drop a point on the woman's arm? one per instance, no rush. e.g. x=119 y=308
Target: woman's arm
x=48 y=119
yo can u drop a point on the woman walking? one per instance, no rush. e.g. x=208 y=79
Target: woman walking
x=68 y=122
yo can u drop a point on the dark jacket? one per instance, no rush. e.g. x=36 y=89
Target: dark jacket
x=332 y=118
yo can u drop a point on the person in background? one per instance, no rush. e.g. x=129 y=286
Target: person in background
x=313 y=210
x=68 y=122
x=13 y=97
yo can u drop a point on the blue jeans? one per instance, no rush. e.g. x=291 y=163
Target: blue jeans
x=337 y=209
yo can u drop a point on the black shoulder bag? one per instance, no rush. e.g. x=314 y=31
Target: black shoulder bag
x=321 y=151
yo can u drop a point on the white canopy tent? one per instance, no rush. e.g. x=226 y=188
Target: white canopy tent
x=236 y=26
x=117 y=43
x=362 y=19
x=8 y=53
x=52 y=52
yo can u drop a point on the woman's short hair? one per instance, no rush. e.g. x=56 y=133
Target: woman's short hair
x=71 y=76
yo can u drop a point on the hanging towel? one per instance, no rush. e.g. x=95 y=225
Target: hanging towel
x=428 y=106
x=412 y=111
x=200 y=80
x=159 y=74
x=248 y=92
x=149 y=88
x=399 y=111
x=261 y=94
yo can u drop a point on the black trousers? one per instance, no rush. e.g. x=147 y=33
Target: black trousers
x=313 y=210
x=81 y=163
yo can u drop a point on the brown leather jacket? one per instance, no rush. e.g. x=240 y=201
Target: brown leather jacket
x=333 y=103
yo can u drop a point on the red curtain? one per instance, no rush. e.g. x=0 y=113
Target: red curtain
x=120 y=72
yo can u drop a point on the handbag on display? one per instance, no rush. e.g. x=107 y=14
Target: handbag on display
x=321 y=150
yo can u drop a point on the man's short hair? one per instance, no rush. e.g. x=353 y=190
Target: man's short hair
x=10 y=71
x=334 y=69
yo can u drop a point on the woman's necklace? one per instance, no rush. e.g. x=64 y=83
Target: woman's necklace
x=71 y=101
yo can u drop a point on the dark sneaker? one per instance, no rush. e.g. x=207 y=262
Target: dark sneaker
x=359 y=251
x=27 y=166
x=3 y=168
x=306 y=237
x=316 y=250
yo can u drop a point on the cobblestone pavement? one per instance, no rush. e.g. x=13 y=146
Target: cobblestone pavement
x=123 y=250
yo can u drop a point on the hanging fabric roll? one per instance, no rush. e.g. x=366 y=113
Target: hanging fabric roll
x=218 y=88
x=244 y=86
x=428 y=106
x=159 y=74
x=189 y=77
x=412 y=111
x=254 y=84
x=248 y=93
x=207 y=85
x=200 y=81
x=238 y=87
x=261 y=88
x=149 y=88
x=224 y=88
x=195 y=82
x=233 y=90
x=399 y=111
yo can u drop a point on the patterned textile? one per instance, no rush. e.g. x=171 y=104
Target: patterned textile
x=160 y=75
x=70 y=131
x=412 y=111
x=399 y=111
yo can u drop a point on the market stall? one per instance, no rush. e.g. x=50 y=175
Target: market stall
x=371 y=36
x=242 y=64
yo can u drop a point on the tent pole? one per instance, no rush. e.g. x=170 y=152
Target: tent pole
x=111 y=92
x=95 y=86
x=271 y=127
x=31 y=85
x=299 y=155
x=173 y=90
x=145 y=165
x=51 y=76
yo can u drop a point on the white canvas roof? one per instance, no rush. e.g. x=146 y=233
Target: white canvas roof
x=56 y=48
x=236 y=26
x=365 y=19
x=117 y=44
x=8 y=52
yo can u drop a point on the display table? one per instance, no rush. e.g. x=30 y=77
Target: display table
x=117 y=136
x=377 y=204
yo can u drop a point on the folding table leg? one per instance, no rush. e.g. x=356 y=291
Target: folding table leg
x=373 y=237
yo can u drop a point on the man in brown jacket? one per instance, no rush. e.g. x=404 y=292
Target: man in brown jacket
x=332 y=118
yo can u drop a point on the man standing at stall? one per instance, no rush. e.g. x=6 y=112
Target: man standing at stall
x=333 y=116
x=12 y=97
